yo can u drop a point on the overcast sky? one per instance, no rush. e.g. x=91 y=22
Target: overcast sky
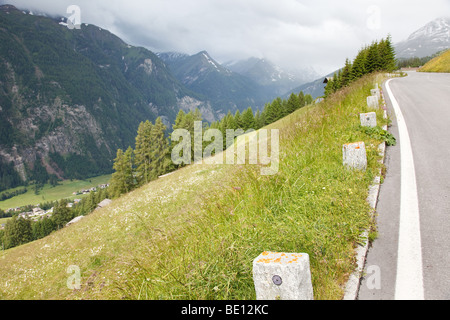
x=291 y=33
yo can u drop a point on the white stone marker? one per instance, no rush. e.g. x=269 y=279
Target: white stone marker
x=376 y=92
x=354 y=155
x=372 y=102
x=282 y=276
x=368 y=119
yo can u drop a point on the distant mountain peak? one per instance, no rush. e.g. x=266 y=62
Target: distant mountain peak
x=439 y=27
x=205 y=55
x=171 y=56
x=429 y=39
x=268 y=74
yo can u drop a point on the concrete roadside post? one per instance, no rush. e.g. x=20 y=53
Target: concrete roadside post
x=376 y=92
x=372 y=102
x=368 y=119
x=282 y=276
x=354 y=155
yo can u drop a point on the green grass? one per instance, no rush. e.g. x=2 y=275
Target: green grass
x=439 y=64
x=195 y=233
x=3 y=220
x=50 y=193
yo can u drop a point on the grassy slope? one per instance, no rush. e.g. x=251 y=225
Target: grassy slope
x=3 y=220
x=49 y=193
x=195 y=233
x=438 y=64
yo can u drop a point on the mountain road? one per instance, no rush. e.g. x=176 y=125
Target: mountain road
x=410 y=259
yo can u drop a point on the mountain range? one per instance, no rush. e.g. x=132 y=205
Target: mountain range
x=273 y=78
x=225 y=89
x=233 y=85
x=69 y=98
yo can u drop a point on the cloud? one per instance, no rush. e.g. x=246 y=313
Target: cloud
x=295 y=33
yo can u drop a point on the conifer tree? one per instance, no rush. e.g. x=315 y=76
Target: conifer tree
x=238 y=119
x=293 y=103
x=159 y=149
x=17 y=231
x=179 y=124
x=301 y=99
x=373 y=61
x=188 y=124
x=277 y=109
x=308 y=99
x=387 y=55
x=258 y=120
x=337 y=83
x=346 y=73
x=331 y=85
x=143 y=151
x=179 y=120
x=248 y=119
x=227 y=123
x=61 y=214
x=122 y=178
x=359 y=63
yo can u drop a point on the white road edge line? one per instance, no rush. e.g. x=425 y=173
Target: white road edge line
x=409 y=280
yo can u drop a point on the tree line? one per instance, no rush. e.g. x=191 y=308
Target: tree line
x=151 y=156
x=379 y=56
x=415 y=62
x=11 y=194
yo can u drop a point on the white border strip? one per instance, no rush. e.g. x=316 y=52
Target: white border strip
x=409 y=281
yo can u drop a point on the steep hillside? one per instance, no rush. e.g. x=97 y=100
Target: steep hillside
x=70 y=98
x=438 y=64
x=194 y=234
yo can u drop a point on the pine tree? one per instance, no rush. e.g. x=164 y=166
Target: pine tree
x=373 y=61
x=17 y=231
x=293 y=103
x=271 y=112
x=337 y=83
x=331 y=86
x=227 y=122
x=248 y=119
x=359 y=63
x=258 y=120
x=346 y=73
x=238 y=119
x=122 y=178
x=387 y=55
x=186 y=122
x=143 y=151
x=159 y=149
x=308 y=99
x=61 y=214
x=301 y=99
x=277 y=106
x=179 y=120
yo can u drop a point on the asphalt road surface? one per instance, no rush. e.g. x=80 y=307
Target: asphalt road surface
x=410 y=259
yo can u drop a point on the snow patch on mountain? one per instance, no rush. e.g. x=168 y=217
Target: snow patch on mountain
x=431 y=38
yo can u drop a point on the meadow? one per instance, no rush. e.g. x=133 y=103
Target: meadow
x=194 y=233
